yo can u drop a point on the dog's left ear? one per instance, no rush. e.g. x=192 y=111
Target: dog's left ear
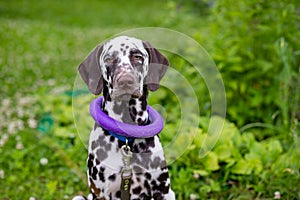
x=158 y=65
x=90 y=71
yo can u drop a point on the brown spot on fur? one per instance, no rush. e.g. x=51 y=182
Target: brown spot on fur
x=94 y=189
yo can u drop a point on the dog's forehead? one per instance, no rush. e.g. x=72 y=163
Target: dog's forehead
x=123 y=43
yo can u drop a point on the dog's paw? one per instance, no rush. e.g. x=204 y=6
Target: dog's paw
x=79 y=198
x=90 y=197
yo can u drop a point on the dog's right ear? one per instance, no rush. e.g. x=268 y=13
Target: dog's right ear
x=90 y=71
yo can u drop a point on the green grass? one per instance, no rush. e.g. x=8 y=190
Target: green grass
x=46 y=40
x=41 y=45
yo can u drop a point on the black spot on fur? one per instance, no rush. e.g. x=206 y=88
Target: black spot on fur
x=90 y=164
x=150 y=142
x=138 y=179
x=148 y=176
x=137 y=190
x=112 y=139
x=143 y=98
x=133 y=110
x=120 y=144
x=154 y=184
x=105 y=93
x=106 y=133
x=163 y=188
x=91 y=156
x=142 y=145
x=163 y=177
x=102 y=169
x=132 y=102
x=112 y=177
x=158 y=196
x=144 y=197
x=147 y=186
x=94 y=173
x=139 y=120
x=118 y=194
x=135 y=149
x=101 y=176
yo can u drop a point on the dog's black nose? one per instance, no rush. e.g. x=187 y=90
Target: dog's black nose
x=126 y=81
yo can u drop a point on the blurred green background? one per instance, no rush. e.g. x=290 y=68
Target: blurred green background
x=255 y=45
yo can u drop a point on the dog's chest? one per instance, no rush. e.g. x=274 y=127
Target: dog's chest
x=105 y=161
x=148 y=153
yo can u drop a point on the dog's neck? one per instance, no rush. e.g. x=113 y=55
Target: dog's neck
x=131 y=111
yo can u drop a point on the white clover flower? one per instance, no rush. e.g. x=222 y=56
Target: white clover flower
x=44 y=161
x=196 y=176
x=11 y=129
x=32 y=198
x=20 y=113
x=1 y=173
x=2 y=143
x=5 y=102
x=277 y=195
x=19 y=146
x=32 y=123
x=193 y=197
x=8 y=113
x=3 y=140
x=51 y=82
x=24 y=101
x=20 y=124
x=5 y=137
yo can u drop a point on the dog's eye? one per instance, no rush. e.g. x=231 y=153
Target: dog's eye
x=108 y=59
x=138 y=58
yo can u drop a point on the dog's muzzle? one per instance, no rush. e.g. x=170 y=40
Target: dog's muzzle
x=126 y=82
x=126 y=85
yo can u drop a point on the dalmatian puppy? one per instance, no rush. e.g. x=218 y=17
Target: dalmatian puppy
x=124 y=69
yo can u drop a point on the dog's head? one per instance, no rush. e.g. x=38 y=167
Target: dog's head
x=123 y=64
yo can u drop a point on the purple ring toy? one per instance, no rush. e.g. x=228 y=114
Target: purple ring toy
x=127 y=130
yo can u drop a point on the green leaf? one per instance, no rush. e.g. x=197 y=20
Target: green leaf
x=248 y=138
x=264 y=65
x=199 y=138
x=201 y=172
x=52 y=186
x=215 y=186
x=210 y=162
x=223 y=151
x=242 y=167
x=257 y=150
x=274 y=149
